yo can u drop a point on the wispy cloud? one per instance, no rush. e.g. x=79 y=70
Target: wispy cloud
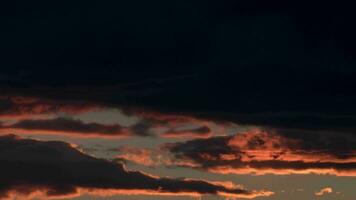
x=324 y=191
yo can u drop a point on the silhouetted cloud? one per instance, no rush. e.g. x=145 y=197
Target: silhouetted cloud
x=67 y=126
x=58 y=169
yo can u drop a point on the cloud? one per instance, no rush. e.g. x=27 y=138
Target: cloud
x=324 y=191
x=24 y=104
x=300 y=121
x=141 y=156
x=27 y=107
x=31 y=114
x=148 y=157
x=76 y=127
x=261 y=152
x=67 y=126
x=57 y=169
x=200 y=132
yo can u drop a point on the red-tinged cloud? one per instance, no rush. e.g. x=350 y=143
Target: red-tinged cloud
x=166 y=119
x=324 y=191
x=18 y=107
x=177 y=126
x=75 y=127
x=268 y=152
x=65 y=126
x=24 y=114
x=141 y=156
x=51 y=169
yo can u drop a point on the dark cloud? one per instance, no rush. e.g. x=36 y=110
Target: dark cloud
x=298 y=121
x=170 y=125
x=268 y=151
x=226 y=56
x=202 y=131
x=57 y=169
x=20 y=107
x=299 y=124
x=281 y=65
x=68 y=126
x=142 y=128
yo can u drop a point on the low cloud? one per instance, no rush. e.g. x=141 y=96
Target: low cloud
x=67 y=126
x=270 y=152
x=26 y=107
x=32 y=168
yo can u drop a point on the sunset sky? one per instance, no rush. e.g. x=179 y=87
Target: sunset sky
x=201 y=100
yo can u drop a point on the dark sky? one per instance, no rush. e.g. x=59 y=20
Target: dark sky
x=281 y=66
x=187 y=56
x=191 y=55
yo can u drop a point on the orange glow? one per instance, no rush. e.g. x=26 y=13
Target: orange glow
x=138 y=156
x=42 y=193
x=254 y=171
x=252 y=195
x=36 y=108
x=324 y=191
x=276 y=147
x=259 y=152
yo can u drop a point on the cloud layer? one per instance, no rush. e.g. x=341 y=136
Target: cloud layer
x=53 y=169
x=67 y=126
x=268 y=152
x=28 y=107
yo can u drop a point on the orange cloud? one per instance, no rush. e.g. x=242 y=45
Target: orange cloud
x=262 y=152
x=18 y=107
x=324 y=191
x=139 y=156
x=42 y=193
x=287 y=171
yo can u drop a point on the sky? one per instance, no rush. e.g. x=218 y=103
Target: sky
x=208 y=100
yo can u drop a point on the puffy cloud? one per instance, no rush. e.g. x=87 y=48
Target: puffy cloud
x=32 y=168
